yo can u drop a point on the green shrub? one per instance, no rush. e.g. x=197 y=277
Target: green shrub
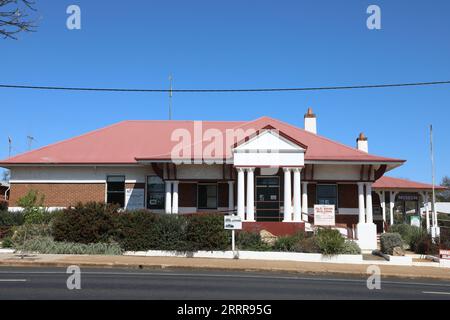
x=307 y=245
x=289 y=242
x=350 y=247
x=171 y=233
x=3 y=205
x=206 y=232
x=33 y=207
x=8 y=219
x=136 y=230
x=388 y=241
x=46 y=245
x=330 y=241
x=7 y=243
x=409 y=233
x=85 y=223
x=246 y=240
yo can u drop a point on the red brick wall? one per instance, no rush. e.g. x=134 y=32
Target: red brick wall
x=60 y=194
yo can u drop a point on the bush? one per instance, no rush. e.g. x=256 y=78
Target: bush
x=288 y=243
x=307 y=245
x=8 y=219
x=3 y=205
x=33 y=207
x=388 y=241
x=47 y=245
x=350 y=247
x=7 y=243
x=170 y=231
x=135 y=230
x=85 y=223
x=246 y=240
x=410 y=234
x=29 y=231
x=330 y=241
x=425 y=245
x=206 y=232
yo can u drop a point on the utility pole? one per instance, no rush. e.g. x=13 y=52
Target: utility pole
x=9 y=146
x=170 y=96
x=434 y=223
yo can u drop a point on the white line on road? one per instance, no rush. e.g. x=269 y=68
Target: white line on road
x=13 y=280
x=436 y=292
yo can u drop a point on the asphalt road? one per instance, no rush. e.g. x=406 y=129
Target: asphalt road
x=50 y=283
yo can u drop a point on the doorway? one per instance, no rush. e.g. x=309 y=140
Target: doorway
x=268 y=199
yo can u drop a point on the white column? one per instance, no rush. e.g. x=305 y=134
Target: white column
x=391 y=206
x=362 y=214
x=241 y=194
x=175 y=198
x=168 y=197
x=250 y=195
x=369 y=210
x=383 y=205
x=305 y=199
x=287 y=196
x=231 y=196
x=297 y=196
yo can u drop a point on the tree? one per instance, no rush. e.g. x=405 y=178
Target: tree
x=444 y=196
x=14 y=17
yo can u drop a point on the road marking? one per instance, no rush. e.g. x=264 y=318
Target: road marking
x=436 y=292
x=13 y=280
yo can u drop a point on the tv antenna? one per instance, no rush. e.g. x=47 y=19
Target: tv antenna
x=30 y=141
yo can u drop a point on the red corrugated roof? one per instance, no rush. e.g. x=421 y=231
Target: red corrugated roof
x=124 y=142
x=397 y=183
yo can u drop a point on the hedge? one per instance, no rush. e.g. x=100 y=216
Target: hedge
x=388 y=241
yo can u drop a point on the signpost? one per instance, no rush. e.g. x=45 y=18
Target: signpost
x=324 y=215
x=232 y=223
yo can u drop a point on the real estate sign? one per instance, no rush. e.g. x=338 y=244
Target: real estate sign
x=444 y=254
x=324 y=215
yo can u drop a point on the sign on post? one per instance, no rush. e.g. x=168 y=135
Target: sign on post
x=444 y=254
x=232 y=222
x=415 y=221
x=324 y=215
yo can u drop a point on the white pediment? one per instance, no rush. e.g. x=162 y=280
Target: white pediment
x=269 y=149
x=269 y=140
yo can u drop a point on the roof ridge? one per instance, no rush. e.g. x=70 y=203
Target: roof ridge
x=333 y=141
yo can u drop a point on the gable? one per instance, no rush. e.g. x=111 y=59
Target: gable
x=269 y=139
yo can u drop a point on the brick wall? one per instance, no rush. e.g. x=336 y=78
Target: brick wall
x=60 y=194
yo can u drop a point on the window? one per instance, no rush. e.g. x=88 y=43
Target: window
x=116 y=190
x=156 y=191
x=207 y=196
x=327 y=194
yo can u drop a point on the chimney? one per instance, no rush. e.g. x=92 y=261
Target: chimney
x=310 y=121
x=362 y=143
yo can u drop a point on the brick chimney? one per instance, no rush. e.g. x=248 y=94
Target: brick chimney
x=310 y=121
x=362 y=143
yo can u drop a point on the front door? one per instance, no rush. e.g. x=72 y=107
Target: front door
x=268 y=199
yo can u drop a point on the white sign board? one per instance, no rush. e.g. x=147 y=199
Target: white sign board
x=232 y=222
x=415 y=221
x=134 y=198
x=324 y=215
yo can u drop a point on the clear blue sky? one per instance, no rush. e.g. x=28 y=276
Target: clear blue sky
x=237 y=44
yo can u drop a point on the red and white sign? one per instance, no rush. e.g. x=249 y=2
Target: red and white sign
x=444 y=254
x=324 y=215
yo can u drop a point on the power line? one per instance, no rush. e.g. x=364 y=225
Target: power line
x=171 y=90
